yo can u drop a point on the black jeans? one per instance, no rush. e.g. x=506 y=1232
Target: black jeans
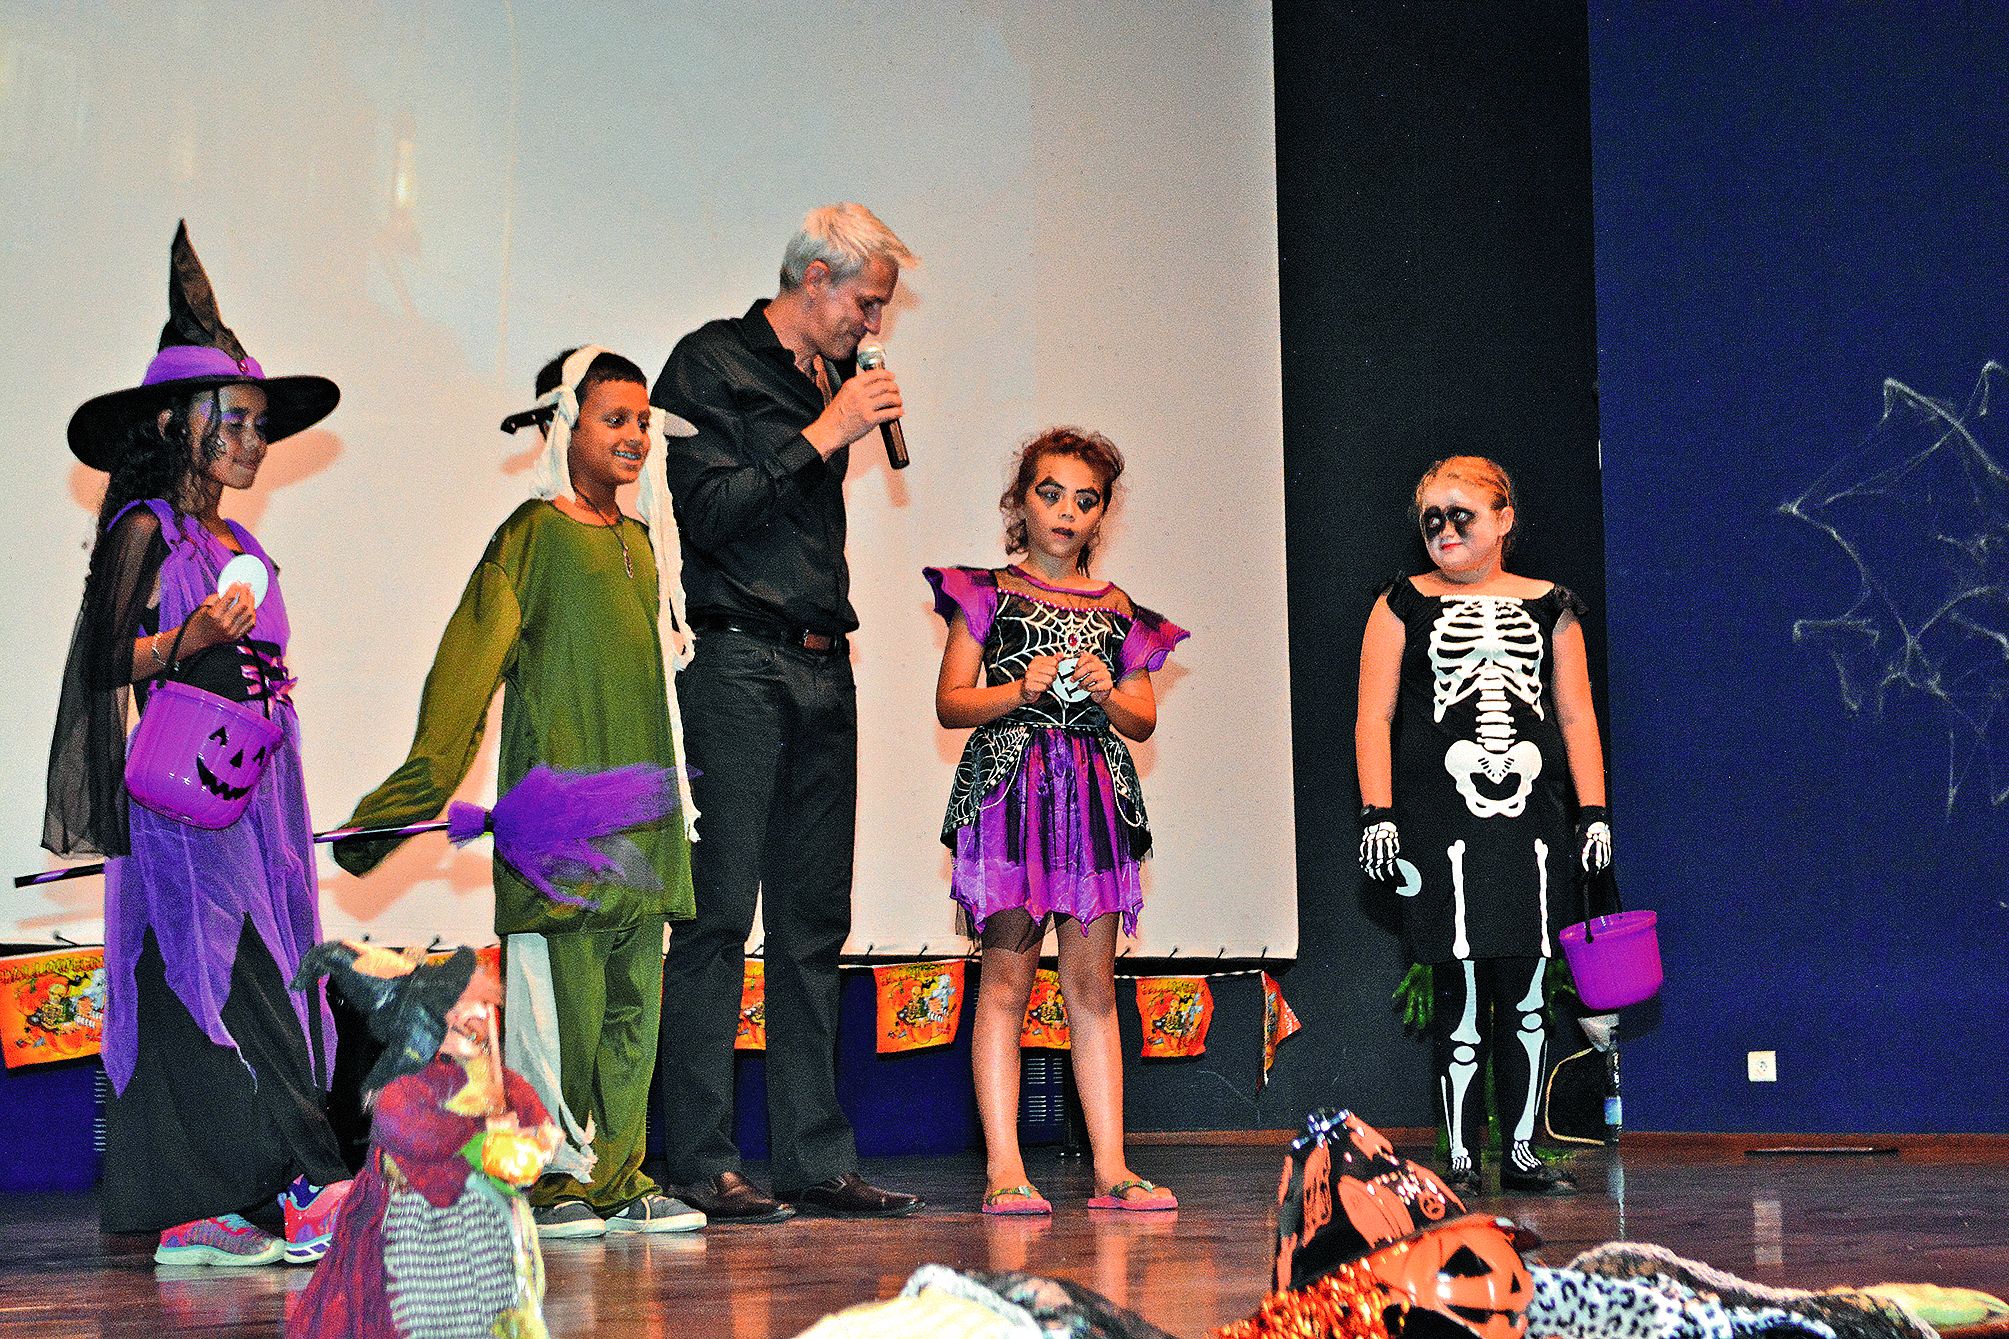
x=774 y=734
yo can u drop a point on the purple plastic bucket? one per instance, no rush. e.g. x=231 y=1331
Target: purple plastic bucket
x=1615 y=959
x=197 y=757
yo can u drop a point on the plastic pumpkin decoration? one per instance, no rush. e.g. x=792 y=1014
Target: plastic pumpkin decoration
x=1467 y=1270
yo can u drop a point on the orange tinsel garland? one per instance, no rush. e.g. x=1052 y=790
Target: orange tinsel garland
x=1344 y=1304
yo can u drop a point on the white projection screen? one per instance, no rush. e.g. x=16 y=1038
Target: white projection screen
x=426 y=200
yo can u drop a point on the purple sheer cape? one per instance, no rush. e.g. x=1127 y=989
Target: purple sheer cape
x=194 y=888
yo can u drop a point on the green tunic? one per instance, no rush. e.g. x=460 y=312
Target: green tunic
x=552 y=616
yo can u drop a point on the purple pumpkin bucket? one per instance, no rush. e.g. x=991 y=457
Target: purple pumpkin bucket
x=1615 y=959
x=197 y=757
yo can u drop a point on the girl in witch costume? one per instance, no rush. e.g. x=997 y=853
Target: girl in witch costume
x=575 y=613
x=1046 y=818
x=1475 y=734
x=435 y=1238
x=218 y=1071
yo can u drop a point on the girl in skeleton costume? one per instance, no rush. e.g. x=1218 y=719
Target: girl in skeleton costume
x=218 y=1071
x=575 y=614
x=1475 y=734
x=1046 y=818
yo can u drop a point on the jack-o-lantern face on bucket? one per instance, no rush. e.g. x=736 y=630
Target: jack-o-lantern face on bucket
x=1467 y=1270
x=228 y=770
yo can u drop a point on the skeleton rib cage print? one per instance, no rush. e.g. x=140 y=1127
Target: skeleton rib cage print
x=1481 y=780
x=1491 y=646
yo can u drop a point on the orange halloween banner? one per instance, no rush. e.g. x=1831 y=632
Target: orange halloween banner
x=52 y=1006
x=1045 y=1014
x=752 y=1034
x=1278 y=1022
x=1176 y=1012
x=920 y=1004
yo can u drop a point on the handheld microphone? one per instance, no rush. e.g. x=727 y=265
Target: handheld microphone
x=870 y=358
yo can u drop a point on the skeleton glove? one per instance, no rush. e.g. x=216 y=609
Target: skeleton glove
x=1594 y=838
x=1379 y=844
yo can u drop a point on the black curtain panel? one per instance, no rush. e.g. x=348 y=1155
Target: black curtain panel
x=1434 y=230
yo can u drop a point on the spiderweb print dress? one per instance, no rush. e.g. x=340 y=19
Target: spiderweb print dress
x=1046 y=813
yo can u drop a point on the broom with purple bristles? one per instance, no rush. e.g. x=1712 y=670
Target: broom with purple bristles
x=551 y=827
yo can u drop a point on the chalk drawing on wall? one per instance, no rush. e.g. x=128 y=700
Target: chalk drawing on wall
x=1922 y=511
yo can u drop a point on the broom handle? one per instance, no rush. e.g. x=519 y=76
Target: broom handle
x=408 y=830
x=320 y=838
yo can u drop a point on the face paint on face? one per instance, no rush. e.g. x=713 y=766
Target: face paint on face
x=1434 y=519
x=1464 y=531
x=1063 y=509
x=227 y=434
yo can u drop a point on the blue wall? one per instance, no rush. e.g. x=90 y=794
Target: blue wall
x=49 y=1114
x=1790 y=209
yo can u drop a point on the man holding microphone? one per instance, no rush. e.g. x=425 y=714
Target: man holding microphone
x=770 y=714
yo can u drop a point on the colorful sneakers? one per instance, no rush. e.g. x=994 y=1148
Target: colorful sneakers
x=228 y=1241
x=310 y=1218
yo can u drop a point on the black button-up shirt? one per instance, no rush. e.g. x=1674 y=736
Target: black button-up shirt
x=762 y=513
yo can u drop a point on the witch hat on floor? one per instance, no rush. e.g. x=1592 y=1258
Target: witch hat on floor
x=197 y=352
x=405 y=997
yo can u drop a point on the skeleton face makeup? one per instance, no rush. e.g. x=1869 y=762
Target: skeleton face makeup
x=1464 y=532
x=1436 y=518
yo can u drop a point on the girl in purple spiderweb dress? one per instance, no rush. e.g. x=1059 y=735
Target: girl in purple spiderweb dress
x=1048 y=666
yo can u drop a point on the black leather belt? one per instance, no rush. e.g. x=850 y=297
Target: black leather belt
x=780 y=634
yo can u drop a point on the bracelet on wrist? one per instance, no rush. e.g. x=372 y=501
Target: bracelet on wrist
x=153 y=649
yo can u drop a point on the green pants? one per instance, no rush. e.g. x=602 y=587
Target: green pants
x=608 y=987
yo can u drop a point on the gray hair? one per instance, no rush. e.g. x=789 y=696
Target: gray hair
x=845 y=237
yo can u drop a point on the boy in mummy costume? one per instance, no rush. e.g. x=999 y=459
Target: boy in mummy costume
x=1475 y=735
x=576 y=615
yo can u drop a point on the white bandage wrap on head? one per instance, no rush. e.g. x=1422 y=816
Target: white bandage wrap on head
x=673 y=628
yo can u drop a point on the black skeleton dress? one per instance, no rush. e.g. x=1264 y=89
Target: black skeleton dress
x=1482 y=784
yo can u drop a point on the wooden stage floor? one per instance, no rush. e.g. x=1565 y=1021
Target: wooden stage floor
x=1801 y=1222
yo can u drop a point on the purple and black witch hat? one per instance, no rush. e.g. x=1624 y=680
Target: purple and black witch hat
x=197 y=350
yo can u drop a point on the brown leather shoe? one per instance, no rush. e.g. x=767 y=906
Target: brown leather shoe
x=852 y=1196
x=731 y=1198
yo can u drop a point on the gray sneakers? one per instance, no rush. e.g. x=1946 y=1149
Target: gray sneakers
x=568 y=1219
x=655 y=1212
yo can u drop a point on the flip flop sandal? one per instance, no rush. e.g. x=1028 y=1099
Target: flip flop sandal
x=1017 y=1202
x=1156 y=1198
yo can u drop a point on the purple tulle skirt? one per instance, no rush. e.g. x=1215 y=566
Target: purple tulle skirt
x=1049 y=839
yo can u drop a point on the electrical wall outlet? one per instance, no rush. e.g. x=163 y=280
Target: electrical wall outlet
x=1763 y=1066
